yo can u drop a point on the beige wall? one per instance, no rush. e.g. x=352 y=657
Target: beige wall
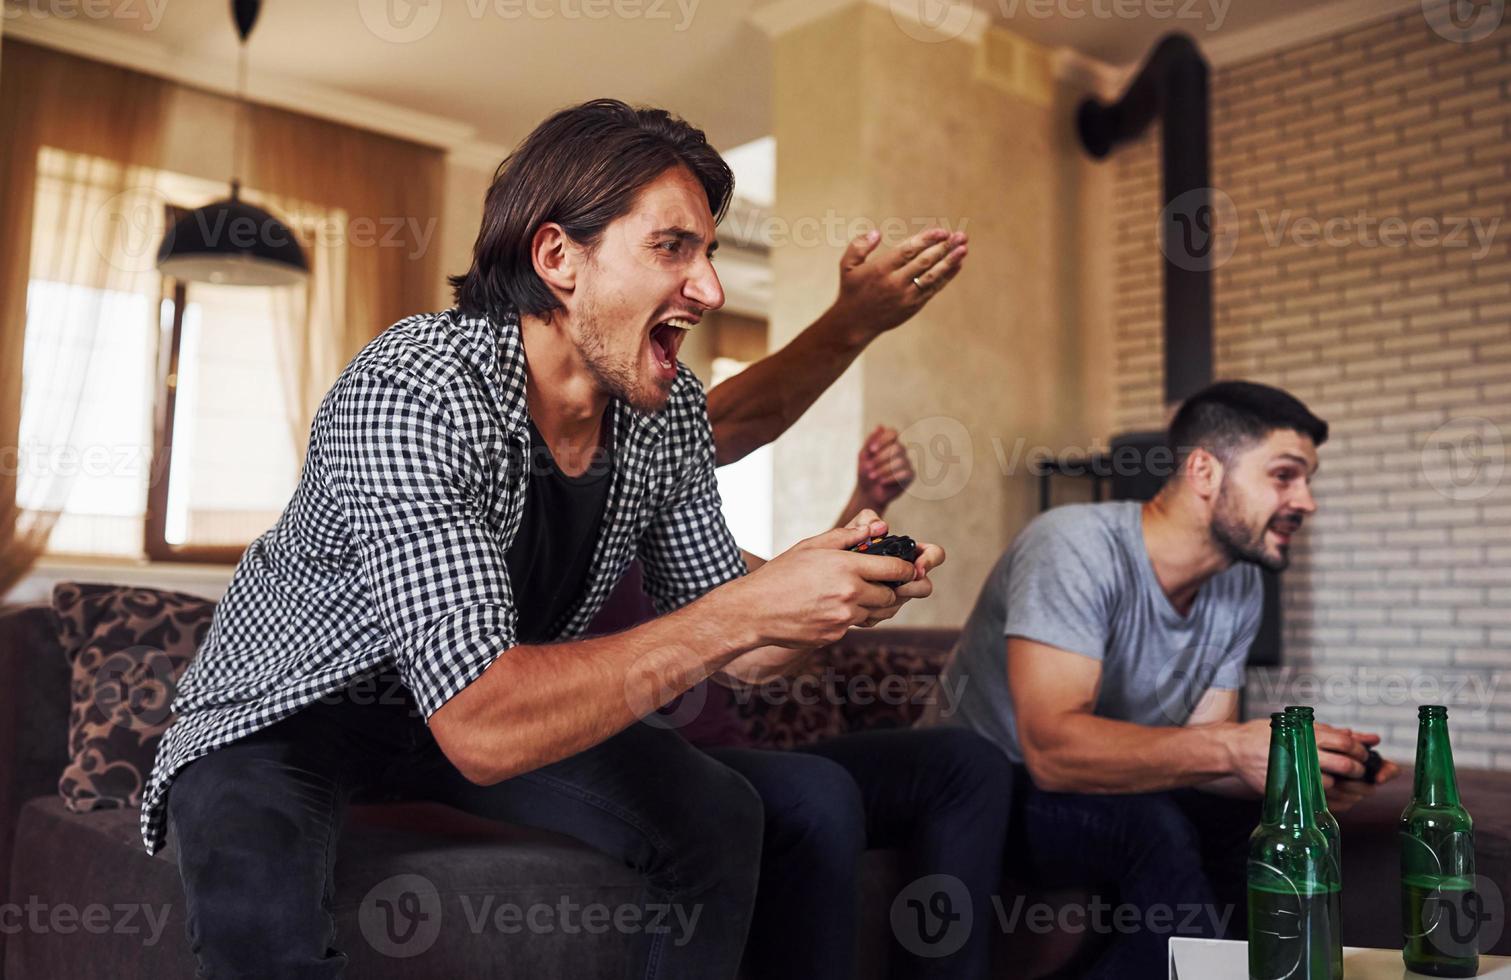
x=1401 y=589
x=872 y=123
x=461 y=214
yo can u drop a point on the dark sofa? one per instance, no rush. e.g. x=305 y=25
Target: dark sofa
x=71 y=880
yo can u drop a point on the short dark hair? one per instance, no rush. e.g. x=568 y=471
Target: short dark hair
x=1227 y=417
x=582 y=168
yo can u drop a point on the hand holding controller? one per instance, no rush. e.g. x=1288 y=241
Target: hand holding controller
x=890 y=546
x=1372 y=765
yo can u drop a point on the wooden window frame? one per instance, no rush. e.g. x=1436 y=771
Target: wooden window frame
x=156 y=543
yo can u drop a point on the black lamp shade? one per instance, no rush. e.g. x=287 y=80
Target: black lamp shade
x=233 y=243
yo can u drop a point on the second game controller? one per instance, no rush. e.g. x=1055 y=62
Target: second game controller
x=891 y=546
x=1372 y=764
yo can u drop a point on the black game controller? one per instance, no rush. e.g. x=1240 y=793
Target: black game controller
x=1372 y=764
x=891 y=546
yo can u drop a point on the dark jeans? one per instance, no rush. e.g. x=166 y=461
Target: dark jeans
x=942 y=796
x=1177 y=859
x=255 y=824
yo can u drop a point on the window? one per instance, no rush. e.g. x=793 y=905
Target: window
x=230 y=464
x=185 y=444
x=745 y=485
x=107 y=458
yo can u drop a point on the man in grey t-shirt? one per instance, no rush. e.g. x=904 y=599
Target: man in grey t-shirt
x=1105 y=655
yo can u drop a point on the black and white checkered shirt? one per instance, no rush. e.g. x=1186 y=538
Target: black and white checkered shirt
x=391 y=551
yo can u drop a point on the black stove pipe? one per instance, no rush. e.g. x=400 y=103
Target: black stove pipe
x=1171 y=86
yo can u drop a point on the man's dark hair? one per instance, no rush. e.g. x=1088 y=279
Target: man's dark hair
x=582 y=169
x=1230 y=416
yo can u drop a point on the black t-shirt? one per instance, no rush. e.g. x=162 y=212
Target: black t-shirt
x=552 y=552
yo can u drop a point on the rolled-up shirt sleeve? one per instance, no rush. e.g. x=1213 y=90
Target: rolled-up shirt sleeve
x=412 y=489
x=687 y=549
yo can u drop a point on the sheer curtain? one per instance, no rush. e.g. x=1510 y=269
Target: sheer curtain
x=367 y=208
x=101 y=126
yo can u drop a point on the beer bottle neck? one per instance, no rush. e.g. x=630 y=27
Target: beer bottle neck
x=1286 y=799
x=1310 y=763
x=1308 y=791
x=1436 y=783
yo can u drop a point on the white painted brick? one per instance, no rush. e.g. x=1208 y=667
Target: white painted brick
x=1387 y=343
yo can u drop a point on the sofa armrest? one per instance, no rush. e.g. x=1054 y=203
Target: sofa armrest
x=34 y=700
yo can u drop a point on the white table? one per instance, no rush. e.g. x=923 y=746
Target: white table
x=1224 y=959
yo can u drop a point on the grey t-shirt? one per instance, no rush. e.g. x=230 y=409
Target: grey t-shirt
x=1078 y=578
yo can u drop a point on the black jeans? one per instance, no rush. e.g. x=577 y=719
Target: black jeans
x=1177 y=858
x=941 y=795
x=255 y=824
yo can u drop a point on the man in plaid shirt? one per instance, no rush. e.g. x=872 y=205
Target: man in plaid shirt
x=475 y=484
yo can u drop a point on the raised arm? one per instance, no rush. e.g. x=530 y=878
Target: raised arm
x=876 y=293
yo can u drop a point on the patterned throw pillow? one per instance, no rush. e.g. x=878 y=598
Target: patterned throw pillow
x=858 y=689
x=128 y=647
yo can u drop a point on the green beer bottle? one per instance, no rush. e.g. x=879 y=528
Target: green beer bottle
x=1328 y=824
x=1440 y=909
x=1292 y=880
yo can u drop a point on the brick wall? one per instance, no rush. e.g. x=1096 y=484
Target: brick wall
x=1357 y=167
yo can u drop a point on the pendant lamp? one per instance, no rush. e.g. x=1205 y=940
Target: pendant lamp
x=229 y=241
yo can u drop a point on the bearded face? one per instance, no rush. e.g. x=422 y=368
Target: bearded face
x=1263 y=499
